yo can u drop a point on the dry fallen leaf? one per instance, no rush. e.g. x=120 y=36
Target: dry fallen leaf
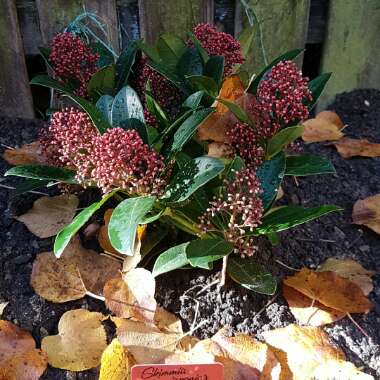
x=308 y=312
x=75 y=273
x=50 y=214
x=28 y=154
x=348 y=147
x=167 y=322
x=133 y=295
x=367 y=212
x=80 y=342
x=219 y=150
x=116 y=362
x=309 y=354
x=326 y=126
x=351 y=270
x=19 y=359
x=103 y=238
x=331 y=290
x=3 y=305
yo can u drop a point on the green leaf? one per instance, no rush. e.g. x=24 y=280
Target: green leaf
x=237 y=111
x=193 y=175
x=194 y=100
x=106 y=57
x=201 y=252
x=286 y=217
x=274 y=238
x=124 y=221
x=202 y=52
x=316 y=87
x=64 y=236
x=124 y=65
x=290 y=55
x=203 y=83
x=246 y=39
x=170 y=49
x=104 y=105
x=171 y=259
x=155 y=109
x=187 y=129
x=308 y=164
x=214 y=68
x=95 y=115
x=250 y=275
x=282 y=139
x=270 y=175
x=48 y=173
x=30 y=184
x=126 y=105
x=102 y=82
x=190 y=63
x=138 y=126
x=150 y=51
x=151 y=218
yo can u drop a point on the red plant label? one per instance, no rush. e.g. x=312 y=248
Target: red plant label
x=212 y=371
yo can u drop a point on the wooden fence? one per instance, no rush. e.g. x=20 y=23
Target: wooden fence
x=346 y=33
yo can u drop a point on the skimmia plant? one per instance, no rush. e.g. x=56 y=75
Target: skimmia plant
x=178 y=138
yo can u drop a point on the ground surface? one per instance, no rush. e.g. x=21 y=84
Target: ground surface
x=303 y=246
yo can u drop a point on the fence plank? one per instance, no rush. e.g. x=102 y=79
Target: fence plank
x=352 y=47
x=15 y=94
x=54 y=15
x=284 y=26
x=169 y=16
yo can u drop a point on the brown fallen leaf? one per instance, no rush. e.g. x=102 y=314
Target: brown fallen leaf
x=28 y=154
x=331 y=290
x=308 y=312
x=132 y=296
x=103 y=238
x=367 y=212
x=348 y=147
x=326 y=126
x=219 y=150
x=116 y=362
x=77 y=272
x=19 y=358
x=167 y=322
x=351 y=270
x=309 y=354
x=80 y=342
x=50 y=214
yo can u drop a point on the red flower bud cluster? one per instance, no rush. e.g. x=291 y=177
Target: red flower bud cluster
x=239 y=211
x=73 y=60
x=219 y=43
x=118 y=158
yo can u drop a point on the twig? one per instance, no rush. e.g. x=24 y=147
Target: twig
x=296 y=181
x=317 y=240
x=208 y=286
x=266 y=305
x=7 y=146
x=222 y=280
x=358 y=326
x=313 y=313
x=286 y=266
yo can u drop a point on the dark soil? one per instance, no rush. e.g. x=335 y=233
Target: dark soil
x=308 y=245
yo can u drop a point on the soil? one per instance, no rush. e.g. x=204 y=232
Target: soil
x=309 y=245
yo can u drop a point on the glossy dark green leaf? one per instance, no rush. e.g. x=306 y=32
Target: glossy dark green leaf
x=102 y=82
x=155 y=109
x=194 y=100
x=290 y=55
x=106 y=58
x=202 y=52
x=138 y=126
x=237 y=111
x=150 y=51
x=193 y=175
x=48 y=173
x=283 y=138
x=282 y=218
x=95 y=115
x=190 y=63
x=316 y=87
x=124 y=65
x=124 y=221
x=203 y=83
x=251 y=275
x=104 y=105
x=214 y=68
x=171 y=259
x=64 y=236
x=201 y=252
x=29 y=184
x=170 y=49
x=270 y=175
x=308 y=164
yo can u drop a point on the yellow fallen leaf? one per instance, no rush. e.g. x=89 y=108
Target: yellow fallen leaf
x=28 y=154
x=50 y=214
x=331 y=290
x=310 y=312
x=367 y=212
x=116 y=362
x=80 y=342
x=133 y=295
x=326 y=126
x=309 y=354
x=348 y=147
x=19 y=358
x=351 y=270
